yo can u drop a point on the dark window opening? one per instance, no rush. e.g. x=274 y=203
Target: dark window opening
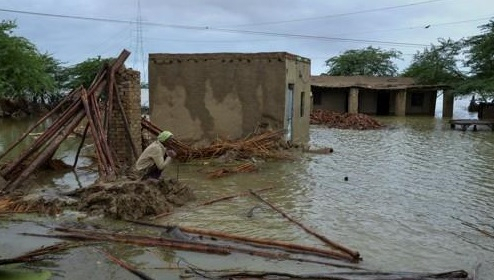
x=316 y=98
x=302 y=103
x=417 y=99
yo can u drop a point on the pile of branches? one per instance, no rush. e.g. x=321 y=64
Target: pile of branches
x=266 y=145
x=343 y=120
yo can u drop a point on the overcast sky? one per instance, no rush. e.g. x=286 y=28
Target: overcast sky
x=74 y=30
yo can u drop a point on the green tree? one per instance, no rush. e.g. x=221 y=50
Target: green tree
x=368 y=62
x=83 y=73
x=480 y=60
x=23 y=70
x=437 y=64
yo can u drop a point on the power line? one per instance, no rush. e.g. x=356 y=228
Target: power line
x=227 y=30
x=337 y=15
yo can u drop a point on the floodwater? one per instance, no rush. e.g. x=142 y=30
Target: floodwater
x=413 y=192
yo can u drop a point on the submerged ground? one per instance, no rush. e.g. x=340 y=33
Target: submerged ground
x=413 y=192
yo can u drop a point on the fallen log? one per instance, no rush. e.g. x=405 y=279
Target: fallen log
x=355 y=255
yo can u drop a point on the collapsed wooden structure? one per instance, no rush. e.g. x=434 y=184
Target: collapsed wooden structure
x=80 y=103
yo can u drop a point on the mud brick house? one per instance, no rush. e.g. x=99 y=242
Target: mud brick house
x=203 y=97
x=377 y=95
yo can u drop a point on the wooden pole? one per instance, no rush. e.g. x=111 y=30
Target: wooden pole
x=127 y=266
x=354 y=254
x=48 y=151
x=45 y=137
x=286 y=246
x=182 y=244
x=102 y=163
x=101 y=134
x=81 y=145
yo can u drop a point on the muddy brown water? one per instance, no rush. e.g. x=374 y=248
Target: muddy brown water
x=412 y=191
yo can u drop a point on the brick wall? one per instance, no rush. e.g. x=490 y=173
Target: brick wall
x=129 y=90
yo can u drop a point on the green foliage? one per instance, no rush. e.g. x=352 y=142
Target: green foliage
x=83 y=73
x=368 y=62
x=480 y=59
x=23 y=70
x=437 y=64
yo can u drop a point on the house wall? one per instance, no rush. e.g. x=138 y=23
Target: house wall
x=202 y=97
x=129 y=90
x=298 y=74
x=332 y=99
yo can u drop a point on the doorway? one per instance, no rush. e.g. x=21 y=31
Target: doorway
x=383 y=103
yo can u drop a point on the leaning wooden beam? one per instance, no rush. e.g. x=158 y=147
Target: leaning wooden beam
x=40 y=121
x=102 y=163
x=62 y=133
x=127 y=266
x=47 y=152
x=40 y=141
x=101 y=133
x=109 y=103
x=80 y=145
x=354 y=254
x=286 y=246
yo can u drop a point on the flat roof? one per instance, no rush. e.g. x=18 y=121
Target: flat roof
x=226 y=55
x=368 y=82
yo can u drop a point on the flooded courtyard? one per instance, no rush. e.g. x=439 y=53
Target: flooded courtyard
x=410 y=197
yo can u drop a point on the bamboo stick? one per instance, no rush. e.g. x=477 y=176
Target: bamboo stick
x=127 y=266
x=286 y=246
x=354 y=254
x=48 y=151
x=102 y=134
x=178 y=244
x=102 y=163
x=144 y=241
x=40 y=141
x=109 y=103
x=80 y=145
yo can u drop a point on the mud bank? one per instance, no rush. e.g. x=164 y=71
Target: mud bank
x=124 y=199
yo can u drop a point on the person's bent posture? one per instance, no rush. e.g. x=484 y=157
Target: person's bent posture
x=155 y=158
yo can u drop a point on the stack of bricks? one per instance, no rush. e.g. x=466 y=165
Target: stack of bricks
x=129 y=90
